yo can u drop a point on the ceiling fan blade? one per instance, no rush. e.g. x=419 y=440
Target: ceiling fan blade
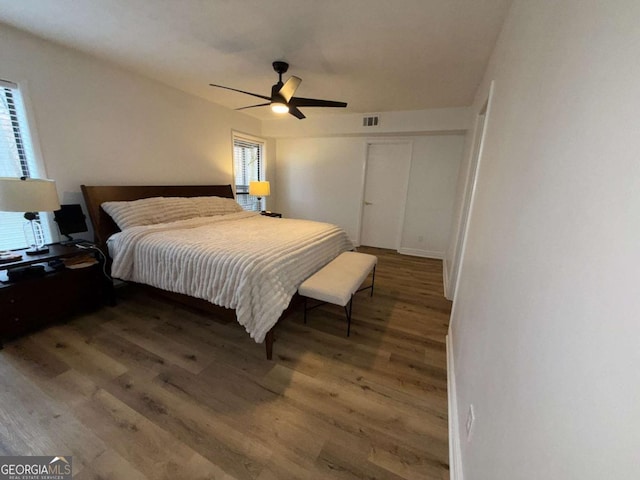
x=315 y=102
x=252 y=106
x=290 y=87
x=296 y=113
x=241 y=91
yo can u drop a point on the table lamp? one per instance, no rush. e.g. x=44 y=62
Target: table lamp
x=30 y=195
x=260 y=189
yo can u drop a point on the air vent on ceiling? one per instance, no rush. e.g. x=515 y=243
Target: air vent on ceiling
x=371 y=120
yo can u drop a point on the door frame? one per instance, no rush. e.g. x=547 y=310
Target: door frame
x=363 y=183
x=470 y=192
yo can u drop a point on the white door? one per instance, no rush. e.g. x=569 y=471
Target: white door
x=385 y=193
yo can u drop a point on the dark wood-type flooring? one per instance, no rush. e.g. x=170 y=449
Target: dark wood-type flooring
x=149 y=389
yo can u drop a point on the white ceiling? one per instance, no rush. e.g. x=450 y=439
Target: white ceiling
x=377 y=55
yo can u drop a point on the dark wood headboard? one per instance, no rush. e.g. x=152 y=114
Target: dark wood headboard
x=104 y=226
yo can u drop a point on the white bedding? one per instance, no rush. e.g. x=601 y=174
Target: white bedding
x=245 y=261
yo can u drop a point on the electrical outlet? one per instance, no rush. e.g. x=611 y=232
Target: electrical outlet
x=471 y=418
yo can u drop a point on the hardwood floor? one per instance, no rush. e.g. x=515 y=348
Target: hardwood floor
x=151 y=390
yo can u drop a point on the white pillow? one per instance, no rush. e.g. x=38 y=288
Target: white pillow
x=209 y=206
x=150 y=211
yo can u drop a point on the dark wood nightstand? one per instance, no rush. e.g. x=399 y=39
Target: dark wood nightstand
x=271 y=214
x=32 y=303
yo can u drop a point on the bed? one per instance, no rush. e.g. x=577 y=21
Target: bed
x=238 y=260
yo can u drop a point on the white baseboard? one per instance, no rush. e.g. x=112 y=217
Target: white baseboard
x=445 y=278
x=414 y=252
x=455 y=455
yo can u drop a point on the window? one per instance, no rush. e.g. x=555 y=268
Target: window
x=16 y=160
x=248 y=165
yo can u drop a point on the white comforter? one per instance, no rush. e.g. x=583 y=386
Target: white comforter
x=245 y=261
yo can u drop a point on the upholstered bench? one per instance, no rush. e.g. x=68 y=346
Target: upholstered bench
x=338 y=281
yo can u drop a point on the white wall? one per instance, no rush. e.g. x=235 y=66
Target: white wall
x=442 y=120
x=322 y=179
x=545 y=326
x=99 y=124
x=431 y=195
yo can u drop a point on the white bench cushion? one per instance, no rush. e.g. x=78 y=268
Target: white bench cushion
x=338 y=280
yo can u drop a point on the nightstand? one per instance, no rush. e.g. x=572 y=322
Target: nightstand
x=35 y=302
x=271 y=214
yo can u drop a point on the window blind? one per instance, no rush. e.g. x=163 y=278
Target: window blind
x=17 y=159
x=248 y=165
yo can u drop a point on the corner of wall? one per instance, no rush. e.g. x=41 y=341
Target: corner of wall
x=455 y=454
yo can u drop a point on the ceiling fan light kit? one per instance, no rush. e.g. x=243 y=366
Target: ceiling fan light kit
x=282 y=99
x=278 y=107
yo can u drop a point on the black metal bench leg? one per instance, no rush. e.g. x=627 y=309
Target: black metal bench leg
x=305 y=310
x=347 y=311
x=373 y=280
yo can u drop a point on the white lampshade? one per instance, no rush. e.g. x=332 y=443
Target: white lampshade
x=29 y=195
x=259 y=189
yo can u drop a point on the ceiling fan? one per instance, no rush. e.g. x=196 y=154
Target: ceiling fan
x=282 y=99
